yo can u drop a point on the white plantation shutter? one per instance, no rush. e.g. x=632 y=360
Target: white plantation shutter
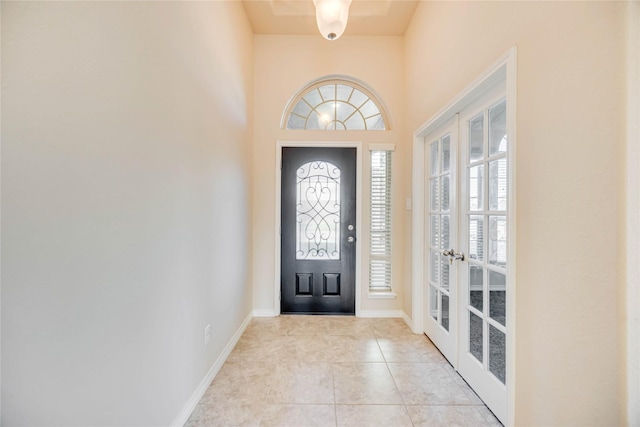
x=380 y=222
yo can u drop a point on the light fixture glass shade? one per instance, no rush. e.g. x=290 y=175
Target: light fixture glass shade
x=332 y=16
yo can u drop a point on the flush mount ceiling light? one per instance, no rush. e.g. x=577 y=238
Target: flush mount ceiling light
x=332 y=16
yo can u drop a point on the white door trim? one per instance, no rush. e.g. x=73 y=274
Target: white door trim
x=503 y=70
x=335 y=144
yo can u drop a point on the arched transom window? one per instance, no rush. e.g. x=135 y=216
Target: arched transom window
x=335 y=105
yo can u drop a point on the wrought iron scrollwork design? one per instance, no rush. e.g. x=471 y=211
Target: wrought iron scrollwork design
x=318 y=211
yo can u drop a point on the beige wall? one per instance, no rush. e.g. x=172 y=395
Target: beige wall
x=283 y=66
x=570 y=136
x=125 y=205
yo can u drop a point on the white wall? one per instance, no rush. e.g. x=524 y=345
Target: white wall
x=570 y=139
x=283 y=66
x=125 y=205
x=630 y=295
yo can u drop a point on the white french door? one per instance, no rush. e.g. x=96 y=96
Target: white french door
x=483 y=227
x=441 y=160
x=466 y=254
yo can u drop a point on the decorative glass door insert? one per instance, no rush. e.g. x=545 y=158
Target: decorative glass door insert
x=318 y=211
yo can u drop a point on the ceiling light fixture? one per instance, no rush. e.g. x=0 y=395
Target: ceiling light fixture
x=332 y=16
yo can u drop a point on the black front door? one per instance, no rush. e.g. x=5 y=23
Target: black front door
x=318 y=249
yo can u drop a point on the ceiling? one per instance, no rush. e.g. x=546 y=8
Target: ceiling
x=366 y=17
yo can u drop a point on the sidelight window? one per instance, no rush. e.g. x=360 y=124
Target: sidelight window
x=380 y=221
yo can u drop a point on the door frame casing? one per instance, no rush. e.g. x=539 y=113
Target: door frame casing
x=278 y=255
x=503 y=70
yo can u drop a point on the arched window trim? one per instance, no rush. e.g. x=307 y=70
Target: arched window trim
x=336 y=79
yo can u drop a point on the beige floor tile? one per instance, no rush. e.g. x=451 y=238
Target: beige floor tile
x=348 y=348
x=292 y=370
x=301 y=383
x=430 y=384
x=259 y=348
x=489 y=417
x=413 y=348
x=364 y=383
x=299 y=415
x=372 y=416
x=307 y=325
x=463 y=384
x=240 y=382
x=390 y=328
x=448 y=416
x=307 y=348
x=348 y=325
x=266 y=326
x=233 y=414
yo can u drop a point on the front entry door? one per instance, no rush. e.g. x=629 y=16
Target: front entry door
x=318 y=213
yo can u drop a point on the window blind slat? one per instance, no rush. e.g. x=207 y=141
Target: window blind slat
x=380 y=221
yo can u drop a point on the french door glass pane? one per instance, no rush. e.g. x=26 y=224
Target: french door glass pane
x=476 y=188
x=445 y=311
x=497 y=297
x=476 y=138
x=444 y=236
x=498 y=129
x=445 y=192
x=498 y=185
x=476 y=237
x=435 y=231
x=476 y=289
x=475 y=336
x=435 y=261
x=444 y=271
x=498 y=240
x=434 y=158
x=446 y=153
x=435 y=205
x=433 y=302
x=497 y=353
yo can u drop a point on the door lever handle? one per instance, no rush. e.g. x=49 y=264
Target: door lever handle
x=453 y=254
x=458 y=256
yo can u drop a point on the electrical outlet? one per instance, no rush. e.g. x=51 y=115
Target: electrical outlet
x=207 y=335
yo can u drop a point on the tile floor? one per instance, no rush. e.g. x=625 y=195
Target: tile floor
x=337 y=371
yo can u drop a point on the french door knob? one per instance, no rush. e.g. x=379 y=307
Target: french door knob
x=453 y=255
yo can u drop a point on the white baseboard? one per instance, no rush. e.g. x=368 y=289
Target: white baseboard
x=408 y=321
x=380 y=313
x=184 y=415
x=269 y=312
